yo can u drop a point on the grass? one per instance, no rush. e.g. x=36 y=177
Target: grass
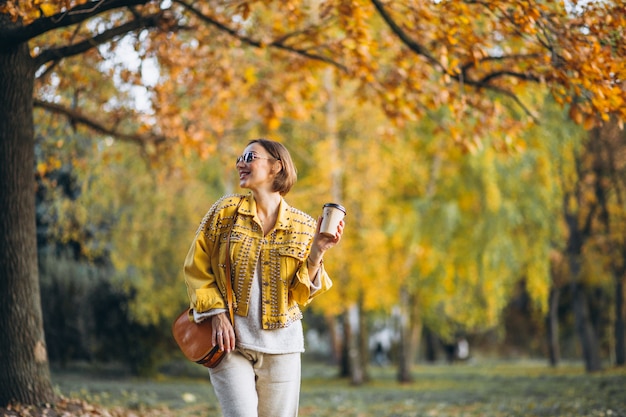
x=482 y=388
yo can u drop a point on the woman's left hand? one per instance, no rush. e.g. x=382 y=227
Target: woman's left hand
x=321 y=243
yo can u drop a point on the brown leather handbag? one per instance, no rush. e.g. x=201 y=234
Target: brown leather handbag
x=194 y=339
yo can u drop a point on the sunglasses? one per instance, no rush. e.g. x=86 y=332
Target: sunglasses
x=249 y=157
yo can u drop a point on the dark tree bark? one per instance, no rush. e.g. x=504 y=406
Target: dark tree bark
x=620 y=330
x=430 y=345
x=335 y=339
x=410 y=335
x=582 y=319
x=344 y=362
x=580 y=231
x=585 y=330
x=364 y=354
x=606 y=146
x=552 y=326
x=355 y=361
x=404 y=361
x=24 y=368
x=610 y=166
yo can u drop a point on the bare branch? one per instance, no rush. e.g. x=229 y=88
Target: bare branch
x=77 y=117
x=279 y=44
x=79 y=48
x=78 y=14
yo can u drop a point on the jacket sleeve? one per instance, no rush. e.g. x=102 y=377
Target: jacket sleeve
x=200 y=269
x=301 y=290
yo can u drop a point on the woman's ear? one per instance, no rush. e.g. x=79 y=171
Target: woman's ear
x=278 y=166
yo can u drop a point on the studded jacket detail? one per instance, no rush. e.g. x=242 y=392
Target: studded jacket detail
x=282 y=253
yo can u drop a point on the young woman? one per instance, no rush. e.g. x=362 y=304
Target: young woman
x=276 y=256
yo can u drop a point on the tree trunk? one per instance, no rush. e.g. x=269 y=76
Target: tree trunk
x=583 y=324
x=344 y=363
x=584 y=328
x=430 y=344
x=416 y=327
x=410 y=332
x=620 y=342
x=404 y=352
x=24 y=368
x=607 y=146
x=363 y=342
x=335 y=339
x=355 y=362
x=552 y=326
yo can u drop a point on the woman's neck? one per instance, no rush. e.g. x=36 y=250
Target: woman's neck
x=267 y=205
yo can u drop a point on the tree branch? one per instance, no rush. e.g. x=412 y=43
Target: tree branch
x=515 y=98
x=461 y=78
x=406 y=39
x=279 y=44
x=79 y=118
x=78 y=14
x=497 y=74
x=79 y=48
x=512 y=57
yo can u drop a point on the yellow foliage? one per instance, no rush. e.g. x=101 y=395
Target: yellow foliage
x=250 y=75
x=492 y=195
x=42 y=168
x=428 y=208
x=467 y=201
x=538 y=282
x=449 y=278
x=427 y=260
x=48 y=9
x=596 y=269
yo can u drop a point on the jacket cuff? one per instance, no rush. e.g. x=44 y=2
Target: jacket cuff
x=208 y=299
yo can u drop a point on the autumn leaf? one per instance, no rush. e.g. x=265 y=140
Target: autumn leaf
x=48 y=9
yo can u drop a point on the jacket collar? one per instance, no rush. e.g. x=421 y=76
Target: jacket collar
x=248 y=207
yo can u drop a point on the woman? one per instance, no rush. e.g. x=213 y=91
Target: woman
x=276 y=256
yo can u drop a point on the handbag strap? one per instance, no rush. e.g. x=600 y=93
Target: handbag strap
x=229 y=283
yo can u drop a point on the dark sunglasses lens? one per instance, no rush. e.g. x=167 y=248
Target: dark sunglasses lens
x=246 y=157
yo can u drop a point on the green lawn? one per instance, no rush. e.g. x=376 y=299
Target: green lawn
x=522 y=388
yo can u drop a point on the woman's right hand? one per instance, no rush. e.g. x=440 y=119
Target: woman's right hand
x=223 y=332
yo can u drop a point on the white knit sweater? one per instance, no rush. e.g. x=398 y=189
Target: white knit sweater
x=248 y=331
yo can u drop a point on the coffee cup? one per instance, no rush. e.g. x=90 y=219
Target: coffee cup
x=332 y=214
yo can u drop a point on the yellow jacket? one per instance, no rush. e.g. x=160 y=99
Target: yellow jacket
x=283 y=253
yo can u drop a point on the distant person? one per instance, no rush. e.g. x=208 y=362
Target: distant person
x=380 y=356
x=463 y=349
x=276 y=255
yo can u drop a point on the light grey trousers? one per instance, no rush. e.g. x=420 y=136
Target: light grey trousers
x=253 y=384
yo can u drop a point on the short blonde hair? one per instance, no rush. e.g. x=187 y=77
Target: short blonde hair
x=287 y=176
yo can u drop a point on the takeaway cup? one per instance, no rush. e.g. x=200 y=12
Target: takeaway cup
x=331 y=216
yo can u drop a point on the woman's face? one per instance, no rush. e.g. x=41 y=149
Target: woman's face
x=256 y=168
